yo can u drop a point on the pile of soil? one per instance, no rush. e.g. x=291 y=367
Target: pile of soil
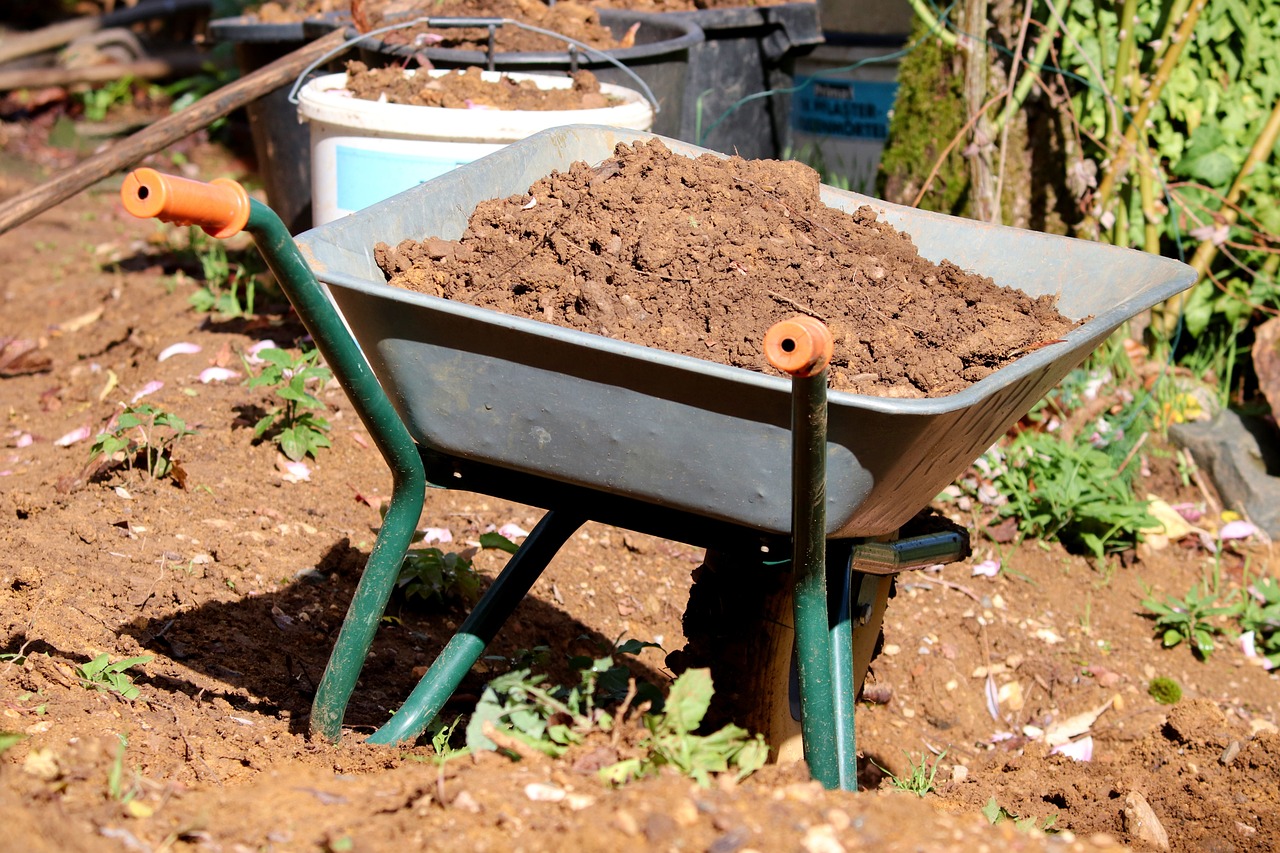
x=701 y=257
x=465 y=90
x=294 y=10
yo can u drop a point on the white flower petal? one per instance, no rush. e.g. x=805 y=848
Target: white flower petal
x=1079 y=750
x=436 y=534
x=217 y=374
x=79 y=434
x=149 y=388
x=1237 y=530
x=512 y=531
x=183 y=348
x=987 y=568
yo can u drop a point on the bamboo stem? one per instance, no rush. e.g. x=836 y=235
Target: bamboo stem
x=925 y=14
x=1119 y=165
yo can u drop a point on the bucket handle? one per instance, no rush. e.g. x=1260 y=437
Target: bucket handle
x=491 y=23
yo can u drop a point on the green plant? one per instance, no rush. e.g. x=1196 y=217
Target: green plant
x=115 y=776
x=1189 y=618
x=920 y=776
x=230 y=281
x=441 y=740
x=672 y=741
x=98 y=102
x=8 y=740
x=104 y=676
x=1165 y=690
x=1069 y=491
x=146 y=432
x=297 y=429
x=1260 y=613
x=433 y=576
x=995 y=813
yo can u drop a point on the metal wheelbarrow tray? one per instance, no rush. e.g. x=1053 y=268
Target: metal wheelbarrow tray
x=681 y=432
x=596 y=429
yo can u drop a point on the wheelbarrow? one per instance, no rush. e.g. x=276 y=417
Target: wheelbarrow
x=769 y=474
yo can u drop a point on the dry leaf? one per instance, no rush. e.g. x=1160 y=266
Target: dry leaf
x=21 y=356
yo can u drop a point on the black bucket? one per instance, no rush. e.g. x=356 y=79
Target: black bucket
x=746 y=51
x=660 y=57
x=281 y=144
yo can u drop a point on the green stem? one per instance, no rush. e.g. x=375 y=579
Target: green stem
x=925 y=14
x=1120 y=159
x=1122 y=79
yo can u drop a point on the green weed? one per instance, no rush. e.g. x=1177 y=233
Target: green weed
x=672 y=741
x=146 y=436
x=920 y=776
x=436 y=577
x=1071 y=492
x=995 y=813
x=1189 y=619
x=106 y=677
x=1260 y=613
x=294 y=424
x=230 y=281
x=8 y=740
x=97 y=103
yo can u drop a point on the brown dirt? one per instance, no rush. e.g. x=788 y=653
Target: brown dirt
x=701 y=257
x=467 y=89
x=274 y=12
x=575 y=20
x=236 y=584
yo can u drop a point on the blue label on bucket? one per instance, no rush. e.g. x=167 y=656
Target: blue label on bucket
x=367 y=177
x=854 y=109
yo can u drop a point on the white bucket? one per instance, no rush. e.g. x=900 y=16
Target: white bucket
x=363 y=152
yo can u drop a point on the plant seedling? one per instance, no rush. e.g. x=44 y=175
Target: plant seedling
x=147 y=433
x=920 y=776
x=104 y=676
x=672 y=741
x=1260 y=613
x=297 y=429
x=1189 y=619
x=996 y=813
x=8 y=740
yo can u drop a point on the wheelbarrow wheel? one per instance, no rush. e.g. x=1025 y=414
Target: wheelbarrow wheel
x=739 y=624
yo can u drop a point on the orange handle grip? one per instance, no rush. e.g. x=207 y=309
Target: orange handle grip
x=220 y=207
x=801 y=346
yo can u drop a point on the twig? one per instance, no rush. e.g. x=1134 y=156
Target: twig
x=621 y=716
x=803 y=309
x=1132 y=450
x=946 y=152
x=509 y=742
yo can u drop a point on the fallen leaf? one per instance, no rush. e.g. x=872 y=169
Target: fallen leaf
x=112 y=382
x=1072 y=727
x=1171 y=522
x=77 y=323
x=19 y=357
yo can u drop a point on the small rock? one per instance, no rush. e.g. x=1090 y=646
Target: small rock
x=685 y=814
x=821 y=839
x=660 y=828
x=626 y=823
x=731 y=842
x=1229 y=754
x=959 y=773
x=1257 y=727
x=541 y=792
x=466 y=802
x=1141 y=822
x=578 y=802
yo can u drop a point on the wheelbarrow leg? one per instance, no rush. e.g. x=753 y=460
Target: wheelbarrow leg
x=365 y=611
x=479 y=628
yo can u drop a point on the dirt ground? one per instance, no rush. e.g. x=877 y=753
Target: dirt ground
x=467 y=89
x=700 y=257
x=235 y=586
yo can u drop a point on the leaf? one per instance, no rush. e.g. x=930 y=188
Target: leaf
x=993 y=812
x=498 y=542
x=689 y=699
x=10 y=739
